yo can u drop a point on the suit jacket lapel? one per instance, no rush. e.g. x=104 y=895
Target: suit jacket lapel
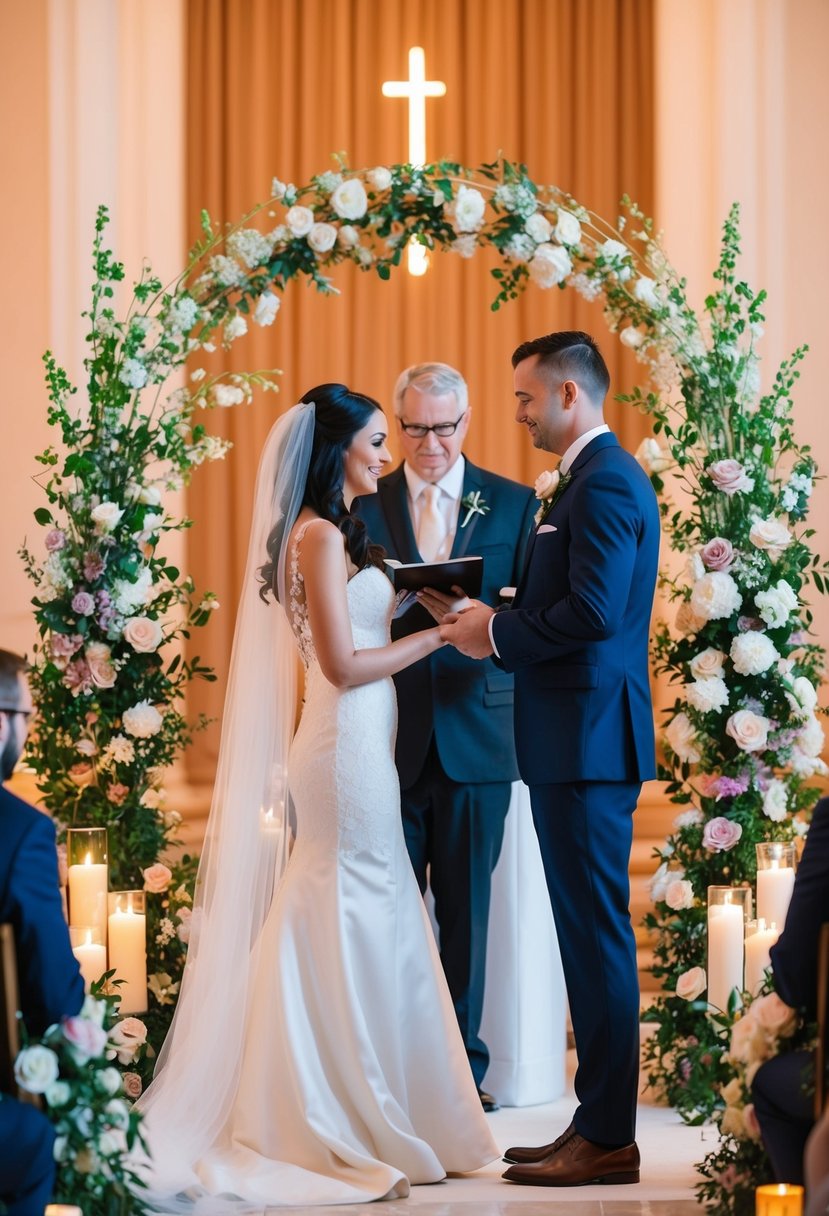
x=395 y=501
x=472 y=481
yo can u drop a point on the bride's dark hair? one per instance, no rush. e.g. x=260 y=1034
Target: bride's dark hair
x=339 y=414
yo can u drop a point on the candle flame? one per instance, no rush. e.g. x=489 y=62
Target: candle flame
x=88 y=860
x=88 y=941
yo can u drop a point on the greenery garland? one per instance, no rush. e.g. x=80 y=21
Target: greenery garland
x=742 y=739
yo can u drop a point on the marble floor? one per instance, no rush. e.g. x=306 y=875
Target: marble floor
x=669 y=1151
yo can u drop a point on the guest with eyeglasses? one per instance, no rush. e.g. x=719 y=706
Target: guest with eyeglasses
x=455 y=752
x=49 y=979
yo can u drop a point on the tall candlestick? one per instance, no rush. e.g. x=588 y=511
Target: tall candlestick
x=726 y=920
x=759 y=941
x=778 y=1199
x=88 y=878
x=128 y=948
x=90 y=952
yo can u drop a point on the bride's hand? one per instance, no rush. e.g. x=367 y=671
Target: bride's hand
x=439 y=605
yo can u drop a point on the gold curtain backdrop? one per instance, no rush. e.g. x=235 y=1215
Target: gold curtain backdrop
x=274 y=87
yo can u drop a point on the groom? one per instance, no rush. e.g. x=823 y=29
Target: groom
x=576 y=638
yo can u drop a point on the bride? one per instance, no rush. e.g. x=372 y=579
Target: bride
x=314 y=1057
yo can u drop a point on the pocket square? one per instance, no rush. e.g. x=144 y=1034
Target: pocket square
x=547 y=528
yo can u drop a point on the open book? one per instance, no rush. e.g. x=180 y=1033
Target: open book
x=411 y=577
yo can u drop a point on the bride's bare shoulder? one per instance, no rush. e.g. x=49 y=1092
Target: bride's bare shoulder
x=321 y=541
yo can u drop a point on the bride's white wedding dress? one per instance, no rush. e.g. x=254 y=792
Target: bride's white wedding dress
x=354 y=1082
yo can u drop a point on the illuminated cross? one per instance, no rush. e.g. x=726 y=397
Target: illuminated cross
x=417 y=88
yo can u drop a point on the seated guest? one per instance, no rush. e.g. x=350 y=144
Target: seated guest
x=783 y=1086
x=48 y=975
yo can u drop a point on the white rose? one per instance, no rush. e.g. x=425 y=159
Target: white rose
x=753 y=653
x=348 y=236
x=679 y=894
x=644 y=290
x=300 y=220
x=117 y=1110
x=143 y=634
x=349 y=200
x=108 y=1081
x=322 y=238
x=810 y=739
x=652 y=456
x=267 y=306
x=748 y=730
x=707 y=694
x=775 y=801
x=568 y=229
x=770 y=534
x=539 y=228
x=632 y=338
x=691 y=984
x=36 y=1069
x=661 y=879
x=467 y=209
x=106 y=516
x=777 y=604
x=150 y=496
x=804 y=693
x=379 y=178
x=708 y=663
x=142 y=720
x=59 y=1093
x=715 y=595
x=681 y=739
x=550 y=264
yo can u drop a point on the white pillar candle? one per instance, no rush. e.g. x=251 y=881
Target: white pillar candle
x=128 y=952
x=88 y=895
x=758 y=945
x=774 y=891
x=62 y=1209
x=272 y=819
x=92 y=957
x=725 y=952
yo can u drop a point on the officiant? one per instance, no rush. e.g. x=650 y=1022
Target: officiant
x=455 y=751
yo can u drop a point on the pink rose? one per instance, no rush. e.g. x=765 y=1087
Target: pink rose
x=730 y=477
x=83 y=603
x=82 y=774
x=706 y=784
x=132 y=1085
x=718 y=554
x=99 y=660
x=117 y=793
x=157 y=878
x=691 y=984
x=143 y=634
x=720 y=834
x=55 y=540
x=776 y=1018
x=679 y=895
x=185 y=917
x=127 y=1037
x=86 y=1038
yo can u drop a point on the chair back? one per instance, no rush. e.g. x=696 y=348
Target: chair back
x=10 y=1018
x=822 y=1050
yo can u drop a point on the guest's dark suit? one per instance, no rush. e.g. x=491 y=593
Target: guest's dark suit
x=455 y=752
x=577 y=639
x=50 y=987
x=781 y=1088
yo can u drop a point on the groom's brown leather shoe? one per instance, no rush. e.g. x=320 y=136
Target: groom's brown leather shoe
x=577 y=1162
x=530 y=1156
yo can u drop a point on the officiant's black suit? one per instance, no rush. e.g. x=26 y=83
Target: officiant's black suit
x=455 y=747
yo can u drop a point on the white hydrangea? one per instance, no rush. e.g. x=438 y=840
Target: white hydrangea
x=810 y=739
x=183 y=314
x=775 y=800
x=250 y=247
x=329 y=180
x=753 y=653
x=226 y=271
x=550 y=265
x=590 y=288
x=128 y=596
x=267 y=306
x=776 y=605
x=133 y=373
x=707 y=694
x=520 y=247
x=235 y=328
x=715 y=595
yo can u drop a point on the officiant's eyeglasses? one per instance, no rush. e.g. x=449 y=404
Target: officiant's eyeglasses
x=443 y=429
x=8 y=709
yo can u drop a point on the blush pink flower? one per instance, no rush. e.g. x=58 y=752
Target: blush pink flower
x=720 y=834
x=730 y=477
x=132 y=1085
x=117 y=793
x=83 y=603
x=718 y=554
x=86 y=1038
x=157 y=878
x=93 y=566
x=64 y=645
x=55 y=540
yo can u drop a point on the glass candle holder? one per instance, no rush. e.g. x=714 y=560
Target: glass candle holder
x=90 y=951
x=759 y=940
x=728 y=910
x=778 y=1199
x=128 y=948
x=775 y=881
x=86 y=858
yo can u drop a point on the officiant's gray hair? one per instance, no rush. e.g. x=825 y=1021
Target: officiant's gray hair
x=437 y=378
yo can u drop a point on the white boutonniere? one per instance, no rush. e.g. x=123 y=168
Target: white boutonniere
x=548 y=486
x=475 y=505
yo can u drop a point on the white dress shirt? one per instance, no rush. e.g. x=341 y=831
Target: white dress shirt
x=449 y=502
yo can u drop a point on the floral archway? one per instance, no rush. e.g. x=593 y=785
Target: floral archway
x=743 y=737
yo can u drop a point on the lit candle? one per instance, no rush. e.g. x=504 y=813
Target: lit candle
x=91 y=955
x=128 y=948
x=779 y=1199
x=774 y=891
x=62 y=1209
x=272 y=821
x=758 y=945
x=725 y=950
x=88 y=895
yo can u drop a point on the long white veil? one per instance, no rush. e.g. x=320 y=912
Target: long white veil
x=245 y=847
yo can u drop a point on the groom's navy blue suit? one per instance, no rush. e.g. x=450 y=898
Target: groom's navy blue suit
x=576 y=638
x=455 y=752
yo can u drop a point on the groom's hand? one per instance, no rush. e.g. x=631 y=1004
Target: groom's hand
x=469 y=631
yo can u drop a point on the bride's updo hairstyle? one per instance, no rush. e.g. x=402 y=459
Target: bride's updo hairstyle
x=339 y=414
